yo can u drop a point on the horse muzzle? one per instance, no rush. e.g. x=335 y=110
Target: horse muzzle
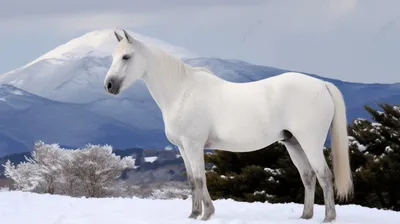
x=113 y=86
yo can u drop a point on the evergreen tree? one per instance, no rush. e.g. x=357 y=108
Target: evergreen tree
x=263 y=175
x=375 y=150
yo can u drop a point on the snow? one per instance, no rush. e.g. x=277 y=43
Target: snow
x=168 y=148
x=101 y=43
x=360 y=147
x=150 y=159
x=359 y=121
x=22 y=207
x=16 y=92
x=272 y=171
x=388 y=149
x=376 y=124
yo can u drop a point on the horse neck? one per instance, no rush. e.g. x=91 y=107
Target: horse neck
x=166 y=77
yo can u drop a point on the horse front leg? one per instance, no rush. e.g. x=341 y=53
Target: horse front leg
x=196 y=197
x=195 y=156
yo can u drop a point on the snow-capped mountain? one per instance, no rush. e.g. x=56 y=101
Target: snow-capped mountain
x=80 y=64
x=60 y=98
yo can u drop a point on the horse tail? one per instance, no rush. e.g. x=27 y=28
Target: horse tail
x=340 y=145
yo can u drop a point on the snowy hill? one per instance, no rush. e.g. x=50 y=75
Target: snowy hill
x=21 y=208
x=64 y=100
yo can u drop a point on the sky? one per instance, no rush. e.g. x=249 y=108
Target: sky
x=351 y=40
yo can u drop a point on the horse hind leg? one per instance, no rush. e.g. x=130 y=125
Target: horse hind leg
x=209 y=209
x=306 y=172
x=312 y=144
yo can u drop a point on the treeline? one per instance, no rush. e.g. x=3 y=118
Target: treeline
x=269 y=175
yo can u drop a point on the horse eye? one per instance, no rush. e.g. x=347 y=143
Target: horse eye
x=126 y=57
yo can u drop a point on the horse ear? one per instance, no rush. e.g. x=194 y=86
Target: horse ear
x=127 y=36
x=119 y=38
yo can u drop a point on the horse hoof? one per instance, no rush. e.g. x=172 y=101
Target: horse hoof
x=328 y=219
x=207 y=216
x=306 y=216
x=194 y=215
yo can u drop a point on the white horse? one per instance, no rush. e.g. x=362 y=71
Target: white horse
x=201 y=110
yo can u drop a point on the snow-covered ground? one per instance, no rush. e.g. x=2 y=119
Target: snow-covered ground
x=24 y=208
x=150 y=159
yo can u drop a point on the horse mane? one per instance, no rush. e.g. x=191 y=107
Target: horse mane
x=171 y=65
x=175 y=62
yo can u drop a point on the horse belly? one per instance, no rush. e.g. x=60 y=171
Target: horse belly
x=246 y=134
x=249 y=144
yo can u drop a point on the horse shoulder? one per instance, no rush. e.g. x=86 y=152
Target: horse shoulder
x=187 y=117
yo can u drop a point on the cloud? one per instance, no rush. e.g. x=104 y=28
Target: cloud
x=68 y=23
x=21 y=8
x=66 y=17
x=77 y=15
x=342 y=7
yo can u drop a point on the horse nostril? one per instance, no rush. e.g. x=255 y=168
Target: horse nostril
x=112 y=86
x=109 y=85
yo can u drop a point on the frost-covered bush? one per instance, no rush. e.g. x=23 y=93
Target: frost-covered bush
x=4 y=189
x=159 y=190
x=92 y=171
x=41 y=172
x=170 y=193
x=97 y=168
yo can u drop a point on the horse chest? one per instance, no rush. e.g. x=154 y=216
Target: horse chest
x=173 y=131
x=181 y=127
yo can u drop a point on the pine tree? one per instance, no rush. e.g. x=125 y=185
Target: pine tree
x=267 y=174
x=375 y=152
